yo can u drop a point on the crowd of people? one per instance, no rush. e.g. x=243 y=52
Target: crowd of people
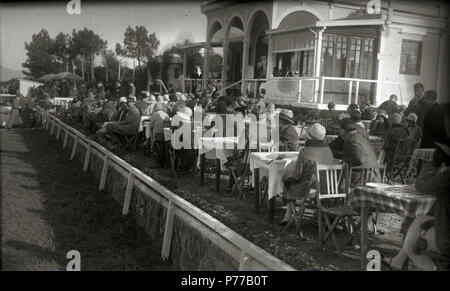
x=113 y=112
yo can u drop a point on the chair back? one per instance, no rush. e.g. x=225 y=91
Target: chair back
x=361 y=175
x=328 y=180
x=404 y=149
x=328 y=124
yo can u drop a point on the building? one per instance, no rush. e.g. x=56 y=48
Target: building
x=305 y=53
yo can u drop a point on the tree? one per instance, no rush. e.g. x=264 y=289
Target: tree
x=40 y=59
x=87 y=44
x=139 y=44
x=62 y=50
x=111 y=64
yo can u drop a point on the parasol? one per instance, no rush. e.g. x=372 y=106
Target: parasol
x=47 y=78
x=68 y=76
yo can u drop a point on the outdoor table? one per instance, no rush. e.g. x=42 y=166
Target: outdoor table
x=274 y=165
x=418 y=156
x=144 y=124
x=402 y=200
x=218 y=148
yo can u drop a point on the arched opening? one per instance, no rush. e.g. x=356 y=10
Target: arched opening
x=297 y=19
x=215 y=35
x=258 y=46
x=235 y=36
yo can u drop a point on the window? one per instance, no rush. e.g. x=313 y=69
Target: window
x=176 y=71
x=294 y=64
x=347 y=56
x=411 y=57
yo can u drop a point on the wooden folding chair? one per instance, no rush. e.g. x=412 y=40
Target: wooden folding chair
x=297 y=215
x=361 y=175
x=130 y=141
x=331 y=202
x=397 y=162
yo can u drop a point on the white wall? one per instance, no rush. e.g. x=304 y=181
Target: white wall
x=390 y=63
x=26 y=85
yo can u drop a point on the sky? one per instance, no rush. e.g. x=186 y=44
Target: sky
x=172 y=21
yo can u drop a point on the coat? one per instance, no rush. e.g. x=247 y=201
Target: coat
x=129 y=125
x=439 y=185
x=396 y=133
x=298 y=185
x=358 y=152
x=288 y=139
x=434 y=126
x=389 y=106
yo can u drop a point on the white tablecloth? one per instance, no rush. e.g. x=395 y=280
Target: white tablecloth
x=145 y=124
x=275 y=166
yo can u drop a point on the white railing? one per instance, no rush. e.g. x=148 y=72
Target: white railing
x=192 y=86
x=313 y=89
x=254 y=85
x=249 y=255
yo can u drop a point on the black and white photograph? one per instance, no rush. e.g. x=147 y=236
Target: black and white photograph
x=224 y=135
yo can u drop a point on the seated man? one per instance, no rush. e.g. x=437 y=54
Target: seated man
x=128 y=121
x=357 y=150
x=396 y=132
x=434 y=238
x=355 y=117
x=288 y=135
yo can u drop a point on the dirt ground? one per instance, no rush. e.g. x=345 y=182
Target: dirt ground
x=49 y=206
x=238 y=214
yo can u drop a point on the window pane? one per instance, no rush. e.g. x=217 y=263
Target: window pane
x=410 y=57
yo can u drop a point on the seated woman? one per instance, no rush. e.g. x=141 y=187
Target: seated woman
x=316 y=150
x=430 y=233
x=381 y=125
x=157 y=131
x=186 y=155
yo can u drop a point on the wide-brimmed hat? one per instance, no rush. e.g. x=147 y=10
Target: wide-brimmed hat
x=131 y=98
x=395 y=118
x=383 y=113
x=445 y=148
x=316 y=132
x=185 y=113
x=412 y=117
x=123 y=100
x=287 y=115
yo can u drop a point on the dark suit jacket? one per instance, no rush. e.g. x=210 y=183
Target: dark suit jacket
x=358 y=150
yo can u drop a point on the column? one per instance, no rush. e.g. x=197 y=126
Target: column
x=224 y=65
x=205 y=73
x=184 y=70
x=245 y=54
x=269 y=57
x=318 y=62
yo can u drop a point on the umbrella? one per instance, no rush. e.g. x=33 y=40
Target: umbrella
x=47 y=78
x=68 y=76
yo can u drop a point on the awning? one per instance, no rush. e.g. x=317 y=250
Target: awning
x=358 y=18
x=200 y=45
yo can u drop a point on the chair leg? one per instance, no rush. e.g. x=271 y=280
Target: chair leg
x=330 y=232
x=320 y=227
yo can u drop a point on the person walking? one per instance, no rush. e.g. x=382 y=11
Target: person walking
x=14 y=116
